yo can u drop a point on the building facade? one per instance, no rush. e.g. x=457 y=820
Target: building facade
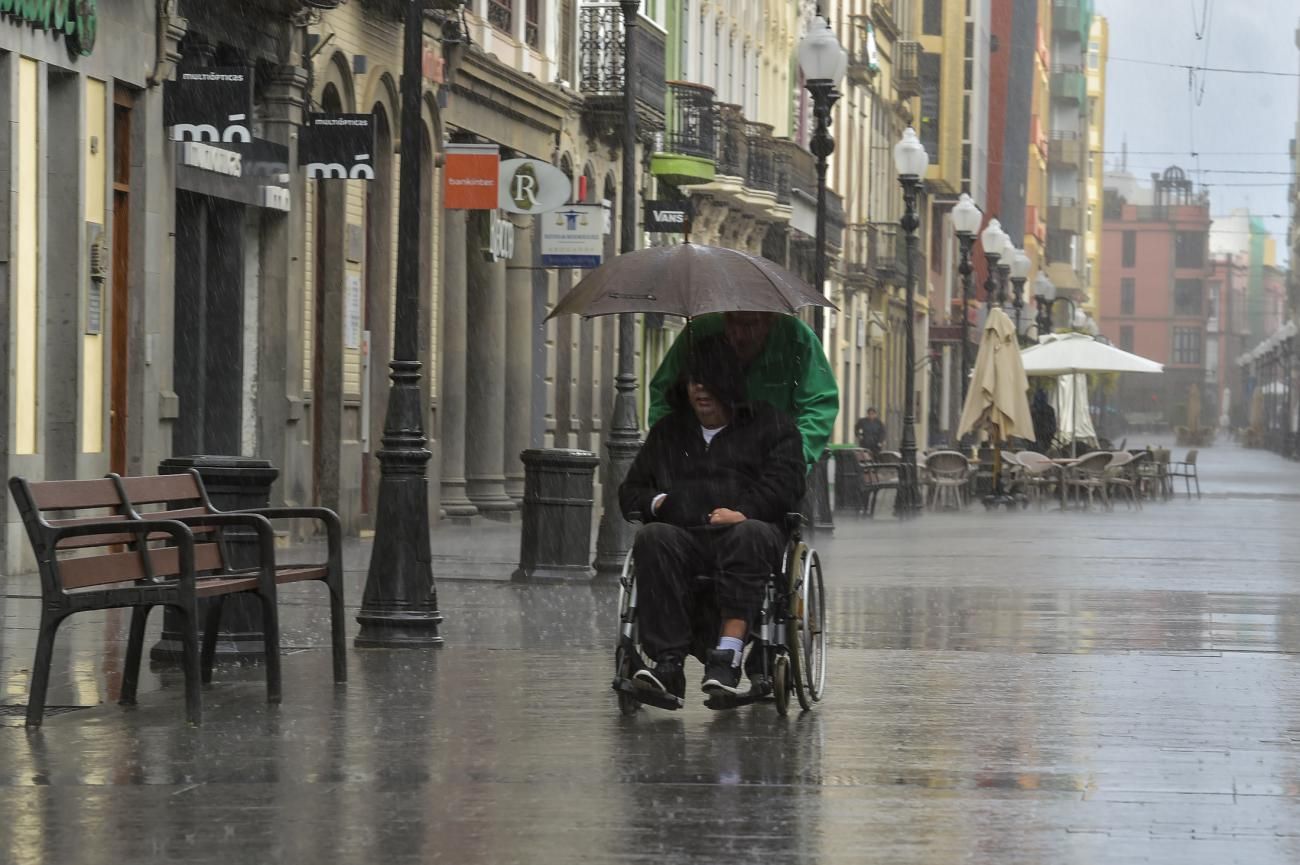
x=1095 y=173
x=1068 y=153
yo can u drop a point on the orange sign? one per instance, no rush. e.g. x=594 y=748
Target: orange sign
x=470 y=175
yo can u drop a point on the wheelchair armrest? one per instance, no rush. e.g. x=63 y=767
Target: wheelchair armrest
x=792 y=523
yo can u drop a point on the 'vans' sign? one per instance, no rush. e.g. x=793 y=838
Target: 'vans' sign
x=210 y=105
x=668 y=217
x=338 y=147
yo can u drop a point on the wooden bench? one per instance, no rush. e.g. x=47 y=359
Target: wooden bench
x=183 y=497
x=109 y=558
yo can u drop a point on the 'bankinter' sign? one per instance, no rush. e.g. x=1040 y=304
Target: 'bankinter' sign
x=76 y=20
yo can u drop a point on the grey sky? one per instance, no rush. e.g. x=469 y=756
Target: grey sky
x=1151 y=105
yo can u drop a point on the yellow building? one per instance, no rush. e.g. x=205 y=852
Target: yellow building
x=1095 y=71
x=1035 y=241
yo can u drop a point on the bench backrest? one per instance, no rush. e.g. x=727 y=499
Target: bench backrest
x=84 y=561
x=171 y=497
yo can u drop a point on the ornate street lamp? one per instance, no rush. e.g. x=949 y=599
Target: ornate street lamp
x=822 y=60
x=1044 y=297
x=399 y=607
x=966 y=219
x=614 y=537
x=993 y=239
x=911 y=161
x=1020 y=267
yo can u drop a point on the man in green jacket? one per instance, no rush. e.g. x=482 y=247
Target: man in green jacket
x=784 y=365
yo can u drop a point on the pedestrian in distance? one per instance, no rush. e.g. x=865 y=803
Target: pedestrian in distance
x=870 y=432
x=784 y=365
x=712 y=483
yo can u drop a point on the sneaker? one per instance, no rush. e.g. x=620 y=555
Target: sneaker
x=720 y=674
x=667 y=676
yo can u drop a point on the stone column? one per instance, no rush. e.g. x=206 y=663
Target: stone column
x=453 y=345
x=485 y=380
x=519 y=358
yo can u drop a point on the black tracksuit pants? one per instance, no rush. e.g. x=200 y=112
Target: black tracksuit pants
x=675 y=615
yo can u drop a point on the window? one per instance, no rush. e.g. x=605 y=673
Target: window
x=1126 y=337
x=1187 y=346
x=1189 y=249
x=1189 y=297
x=1130 y=248
x=532 y=33
x=1094 y=55
x=1212 y=302
x=1127 y=296
x=932 y=18
x=501 y=15
x=931 y=67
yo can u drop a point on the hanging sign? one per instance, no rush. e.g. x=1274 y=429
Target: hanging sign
x=338 y=147
x=470 y=176
x=498 y=237
x=532 y=186
x=210 y=105
x=668 y=217
x=76 y=20
x=573 y=236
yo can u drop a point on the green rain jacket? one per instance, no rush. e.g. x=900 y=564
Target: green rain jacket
x=791 y=374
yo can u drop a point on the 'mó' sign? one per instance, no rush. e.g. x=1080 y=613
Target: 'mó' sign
x=77 y=20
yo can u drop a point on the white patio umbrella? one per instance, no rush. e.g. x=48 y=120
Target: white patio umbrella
x=1073 y=353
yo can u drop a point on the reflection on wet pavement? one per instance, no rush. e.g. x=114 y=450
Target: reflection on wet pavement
x=1105 y=688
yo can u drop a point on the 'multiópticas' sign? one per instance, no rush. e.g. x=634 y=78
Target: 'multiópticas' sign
x=76 y=20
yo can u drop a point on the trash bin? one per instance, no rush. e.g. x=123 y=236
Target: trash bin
x=233 y=483
x=555 y=543
x=816 y=506
x=849 y=491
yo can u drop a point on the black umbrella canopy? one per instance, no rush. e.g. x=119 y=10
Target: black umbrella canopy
x=688 y=280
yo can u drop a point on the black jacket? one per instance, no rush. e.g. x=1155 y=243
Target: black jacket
x=754 y=466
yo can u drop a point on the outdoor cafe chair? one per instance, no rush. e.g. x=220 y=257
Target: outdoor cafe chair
x=948 y=473
x=1088 y=476
x=1187 y=471
x=1122 y=473
x=1038 y=473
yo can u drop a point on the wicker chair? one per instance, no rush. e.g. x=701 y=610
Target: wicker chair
x=1122 y=474
x=1187 y=471
x=1037 y=475
x=948 y=475
x=1088 y=476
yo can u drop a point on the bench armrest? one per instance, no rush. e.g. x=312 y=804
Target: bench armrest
x=176 y=530
x=333 y=528
x=265 y=538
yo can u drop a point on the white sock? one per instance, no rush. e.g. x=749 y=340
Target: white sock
x=736 y=645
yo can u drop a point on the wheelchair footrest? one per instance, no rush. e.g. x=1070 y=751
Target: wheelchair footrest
x=721 y=700
x=647 y=695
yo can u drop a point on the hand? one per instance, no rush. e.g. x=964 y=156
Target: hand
x=725 y=517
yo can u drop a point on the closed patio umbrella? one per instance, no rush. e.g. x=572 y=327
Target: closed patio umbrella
x=997 y=401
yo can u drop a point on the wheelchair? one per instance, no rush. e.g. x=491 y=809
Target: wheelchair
x=789 y=635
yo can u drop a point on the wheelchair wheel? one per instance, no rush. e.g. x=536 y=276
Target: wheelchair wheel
x=814 y=627
x=796 y=626
x=781 y=684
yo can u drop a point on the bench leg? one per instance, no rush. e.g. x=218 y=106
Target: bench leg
x=41 y=669
x=271 y=647
x=134 y=652
x=338 y=636
x=190 y=663
x=211 y=628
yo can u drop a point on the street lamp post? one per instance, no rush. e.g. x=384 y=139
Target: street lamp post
x=614 y=537
x=1044 y=297
x=966 y=218
x=399 y=606
x=992 y=239
x=1020 y=266
x=822 y=60
x=911 y=161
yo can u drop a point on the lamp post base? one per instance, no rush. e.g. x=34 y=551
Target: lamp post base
x=614 y=537
x=398 y=629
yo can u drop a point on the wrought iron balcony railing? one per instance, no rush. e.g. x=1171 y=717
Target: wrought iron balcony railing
x=600 y=57
x=907 y=68
x=860 y=252
x=692 y=120
x=732 y=144
x=760 y=159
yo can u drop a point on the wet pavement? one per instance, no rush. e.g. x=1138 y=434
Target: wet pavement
x=1042 y=687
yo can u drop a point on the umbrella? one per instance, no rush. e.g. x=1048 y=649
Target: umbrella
x=688 y=280
x=1073 y=415
x=997 y=400
x=1072 y=353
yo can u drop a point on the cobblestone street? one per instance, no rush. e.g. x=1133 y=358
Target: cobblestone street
x=1044 y=687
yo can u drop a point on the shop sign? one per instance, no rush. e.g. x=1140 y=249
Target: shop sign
x=532 y=186
x=499 y=242
x=470 y=177
x=215 y=159
x=573 y=236
x=212 y=105
x=668 y=217
x=338 y=147
x=76 y=20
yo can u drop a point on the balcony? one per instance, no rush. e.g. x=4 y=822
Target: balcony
x=760 y=157
x=690 y=144
x=1072 y=17
x=1064 y=214
x=600 y=67
x=796 y=172
x=863 y=66
x=1067 y=149
x=732 y=145
x=890 y=252
x=1069 y=84
x=907 y=69
x=860 y=254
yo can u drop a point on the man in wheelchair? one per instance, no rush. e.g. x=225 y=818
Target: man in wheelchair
x=712 y=484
